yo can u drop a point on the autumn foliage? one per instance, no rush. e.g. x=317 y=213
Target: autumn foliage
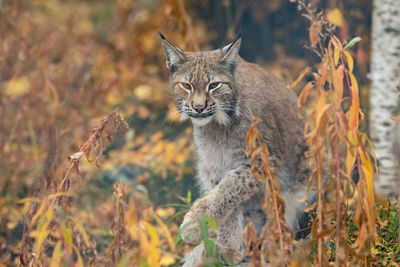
x=82 y=188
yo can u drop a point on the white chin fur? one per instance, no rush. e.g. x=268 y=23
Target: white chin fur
x=183 y=117
x=201 y=122
x=222 y=118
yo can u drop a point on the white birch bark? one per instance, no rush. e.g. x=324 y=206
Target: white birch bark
x=384 y=101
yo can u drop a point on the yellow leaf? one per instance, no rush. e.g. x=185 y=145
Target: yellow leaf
x=143 y=92
x=18 y=86
x=81 y=229
x=39 y=212
x=368 y=174
x=56 y=259
x=349 y=60
x=165 y=213
x=150 y=253
x=59 y=194
x=336 y=55
x=27 y=203
x=67 y=237
x=351 y=152
x=167 y=260
x=113 y=98
x=42 y=231
x=365 y=138
x=79 y=257
x=29 y=200
x=335 y=17
x=166 y=233
x=151 y=230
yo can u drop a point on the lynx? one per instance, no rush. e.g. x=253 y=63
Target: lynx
x=221 y=93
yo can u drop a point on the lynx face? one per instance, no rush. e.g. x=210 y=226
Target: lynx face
x=203 y=83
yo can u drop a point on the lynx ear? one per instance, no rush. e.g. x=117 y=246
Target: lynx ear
x=229 y=55
x=175 y=56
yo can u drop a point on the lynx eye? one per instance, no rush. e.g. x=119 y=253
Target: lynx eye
x=215 y=85
x=186 y=86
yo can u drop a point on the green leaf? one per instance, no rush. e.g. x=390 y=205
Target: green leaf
x=179 y=205
x=211 y=222
x=208 y=243
x=203 y=228
x=179 y=213
x=352 y=42
x=29 y=200
x=227 y=260
x=210 y=248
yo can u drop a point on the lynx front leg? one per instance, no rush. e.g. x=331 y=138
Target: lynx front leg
x=236 y=187
x=230 y=241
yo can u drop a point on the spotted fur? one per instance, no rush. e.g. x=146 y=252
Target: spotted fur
x=245 y=91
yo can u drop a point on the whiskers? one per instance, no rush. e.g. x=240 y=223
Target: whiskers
x=228 y=108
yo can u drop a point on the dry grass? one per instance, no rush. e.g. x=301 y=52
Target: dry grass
x=66 y=64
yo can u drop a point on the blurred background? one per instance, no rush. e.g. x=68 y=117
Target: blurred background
x=66 y=64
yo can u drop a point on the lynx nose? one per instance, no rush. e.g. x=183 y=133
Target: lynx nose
x=199 y=107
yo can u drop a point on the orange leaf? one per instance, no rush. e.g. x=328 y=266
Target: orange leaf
x=337 y=43
x=368 y=174
x=314 y=34
x=355 y=103
x=351 y=152
x=303 y=97
x=338 y=83
x=301 y=76
x=396 y=118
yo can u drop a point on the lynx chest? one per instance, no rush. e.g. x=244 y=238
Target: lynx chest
x=217 y=155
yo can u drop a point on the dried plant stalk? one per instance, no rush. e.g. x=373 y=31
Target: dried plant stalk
x=276 y=236
x=328 y=127
x=39 y=209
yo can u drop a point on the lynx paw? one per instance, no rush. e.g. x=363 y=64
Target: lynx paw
x=191 y=229
x=190 y=226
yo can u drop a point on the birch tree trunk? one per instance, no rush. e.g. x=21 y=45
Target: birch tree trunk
x=384 y=101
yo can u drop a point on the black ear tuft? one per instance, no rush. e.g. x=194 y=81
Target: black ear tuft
x=175 y=56
x=162 y=36
x=229 y=54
